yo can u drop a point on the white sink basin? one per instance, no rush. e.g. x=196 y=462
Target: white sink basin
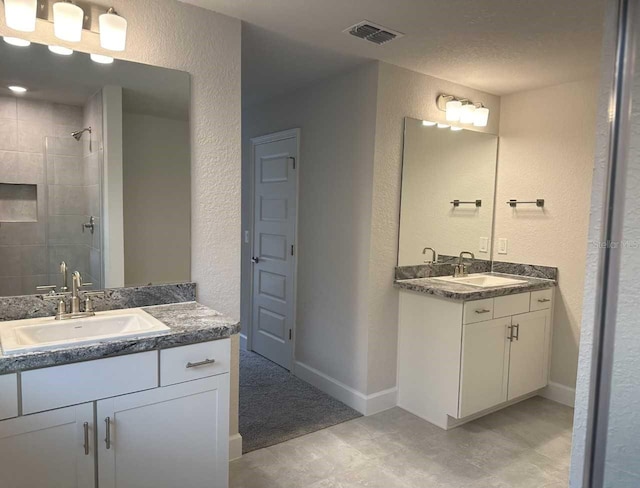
x=481 y=280
x=19 y=336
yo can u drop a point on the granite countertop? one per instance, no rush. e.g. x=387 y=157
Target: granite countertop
x=190 y=323
x=458 y=291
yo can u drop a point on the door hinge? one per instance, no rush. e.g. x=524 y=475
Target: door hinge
x=290 y=334
x=292 y=250
x=293 y=160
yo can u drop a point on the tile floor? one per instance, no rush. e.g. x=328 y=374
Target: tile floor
x=524 y=446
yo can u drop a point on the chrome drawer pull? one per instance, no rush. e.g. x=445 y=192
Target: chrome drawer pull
x=510 y=336
x=107 y=439
x=85 y=426
x=517 y=329
x=201 y=363
x=544 y=300
x=483 y=310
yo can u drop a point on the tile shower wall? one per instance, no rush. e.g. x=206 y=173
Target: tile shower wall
x=36 y=148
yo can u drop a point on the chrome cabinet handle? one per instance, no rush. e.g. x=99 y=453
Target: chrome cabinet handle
x=483 y=310
x=510 y=336
x=200 y=363
x=107 y=439
x=544 y=300
x=85 y=426
x=517 y=329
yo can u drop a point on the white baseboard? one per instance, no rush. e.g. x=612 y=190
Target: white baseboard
x=235 y=447
x=365 y=404
x=559 y=393
x=243 y=341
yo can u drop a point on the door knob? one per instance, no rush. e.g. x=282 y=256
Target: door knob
x=255 y=260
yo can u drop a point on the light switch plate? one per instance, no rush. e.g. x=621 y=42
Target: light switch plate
x=484 y=244
x=246 y=237
x=502 y=245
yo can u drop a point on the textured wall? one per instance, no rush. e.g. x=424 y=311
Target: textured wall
x=207 y=45
x=400 y=93
x=546 y=151
x=337 y=122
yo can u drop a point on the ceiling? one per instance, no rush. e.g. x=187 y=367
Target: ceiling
x=500 y=47
x=73 y=79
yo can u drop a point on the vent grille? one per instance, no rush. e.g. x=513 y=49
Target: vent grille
x=372 y=32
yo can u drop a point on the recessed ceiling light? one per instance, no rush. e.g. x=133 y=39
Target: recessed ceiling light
x=99 y=58
x=64 y=51
x=17 y=89
x=16 y=41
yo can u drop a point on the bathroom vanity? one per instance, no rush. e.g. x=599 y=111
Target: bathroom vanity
x=464 y=350
x=144 y=412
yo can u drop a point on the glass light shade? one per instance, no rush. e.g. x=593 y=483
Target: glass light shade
x=64 y=51
x=455 y=129
x=67 y=21
x=453 y=108
x=16 y=41
x=481 y=117
x=113 y=32
x=99 y=58
x=17 y=89
x=21 y=14
x=428 y=123
x=442 y=126
x=467 y=114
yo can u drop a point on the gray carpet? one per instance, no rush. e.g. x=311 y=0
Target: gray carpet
x=275 y=406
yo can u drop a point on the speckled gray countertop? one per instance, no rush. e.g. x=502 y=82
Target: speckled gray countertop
x=190 y=323
x=458 y=291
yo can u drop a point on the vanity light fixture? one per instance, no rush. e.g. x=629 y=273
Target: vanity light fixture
x=455 y=129
x=21 y=14
x=101 y=59
x=463 y=110
x=428 y=123
x=16 y=41
x=17 y=89
x=442 y=126
x=113 y=31
x=67 y=21
x=63 y=51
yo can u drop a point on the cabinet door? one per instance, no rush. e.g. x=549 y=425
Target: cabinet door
x=529 y=353
x=177 y=436
x=49 y=450
x=485 y=363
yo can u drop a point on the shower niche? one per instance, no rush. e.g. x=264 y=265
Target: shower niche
x=18 y=202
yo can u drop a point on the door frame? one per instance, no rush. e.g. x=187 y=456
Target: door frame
x=257 y=141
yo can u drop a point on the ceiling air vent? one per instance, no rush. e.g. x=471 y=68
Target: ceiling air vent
x=371 y=32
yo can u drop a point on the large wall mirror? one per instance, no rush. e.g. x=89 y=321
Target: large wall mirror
x=448 y=188
x=94 y=171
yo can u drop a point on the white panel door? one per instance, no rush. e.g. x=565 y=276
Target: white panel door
x=485 y=365
x=176 y=436
x=49 y=450
x=273 y=260
x=529 y=351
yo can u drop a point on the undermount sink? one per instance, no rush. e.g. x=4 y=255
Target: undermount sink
x=19 y=336
x=481 y=280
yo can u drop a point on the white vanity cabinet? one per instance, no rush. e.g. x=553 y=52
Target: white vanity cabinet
x=158 y=436
x=458 y=359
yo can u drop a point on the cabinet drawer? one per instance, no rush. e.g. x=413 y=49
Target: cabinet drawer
x=195 y=361
x=478 y=310
x=70 y=384
x=541 y=300
x=511 y=305
x=8 y=396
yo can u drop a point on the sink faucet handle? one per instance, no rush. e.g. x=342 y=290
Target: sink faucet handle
x=50 y=289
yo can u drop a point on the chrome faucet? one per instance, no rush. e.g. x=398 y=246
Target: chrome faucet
x=461 y=269
x=434 y=256
x=75 y=312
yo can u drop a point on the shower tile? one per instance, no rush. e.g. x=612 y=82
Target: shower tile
x=67 y=229
x=69 y=115
x=21 y=233
x=67 y=200
x=93 y=199
x=31 y=136
x=8 y=108
x=76 y=257
x=8 y=134
x=68 y=170
x=35 y=111
x=33 y=260
x=16 y=167
x=92 y=169
x=29 y=284
x=10 y=259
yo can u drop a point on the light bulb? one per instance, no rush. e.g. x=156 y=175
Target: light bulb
x=17 y=89
x=453 y=108
x=67 y=21
x=428 y=123
x=99 y=58
x=113 y=31
x=21 y=14
x=63 y=51
x=481 y=117
x=467 y=113
x=16 y=41
x=442 y=126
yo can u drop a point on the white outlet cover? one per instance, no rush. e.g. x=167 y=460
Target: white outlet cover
x=502 y=245
x=484 y=244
